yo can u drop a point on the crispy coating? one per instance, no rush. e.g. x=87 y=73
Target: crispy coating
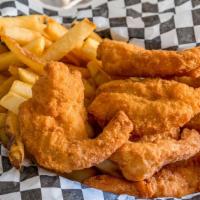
x=175 y=180
x=151 y=89
x=120 y=58
x=194 y=123
x=191 y=81
x=49 y=138
x=140 y=160
x=59 y=93
x=172 y=134
x=154 y=106
x=112 y=184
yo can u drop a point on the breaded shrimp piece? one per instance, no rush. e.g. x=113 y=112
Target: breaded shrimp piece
x=120 y=58
x=141 y=160
x=155 y=106
x=175 y=180
x=51 y=124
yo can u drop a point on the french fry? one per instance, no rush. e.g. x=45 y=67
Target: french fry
x=84 y=71
x=22 y=89
x=48 y=43
x=75 y=57
x=33 y=22
x=2 y=119
x=89 y=89
x=11 y=125
x=54 y=30
x=25 y=56
x=16 y=153
x=93 y=35
x=97 y=73
x=13 y=69
x=2 y=79
x=21 y=35
x=12 y=101
x=3 y=110
x=96 y=37
x=5 y=86
x=27 y=76
x=69 y=41
x=3 y=48
x=37 y=47
x=89 y=48
x=3 y=137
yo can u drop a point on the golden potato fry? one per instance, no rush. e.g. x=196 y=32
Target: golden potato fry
x=22 y=35
x=89 y=89
x=69 y=41
x=84 y=71
x=2 y=119
x=93 y=35
x=33 y=22
x=16 y=153
x=2 y=78
x=37 y=47
x=3 y=110
x=7 y=59
x=27 y=76
x=12 y=101
x=11 y=125
x=48 y=43
x=89 y=48
x=97 y=73
x=22 y=89
x=75 y=57
x=3 y=137
x=25 y=56
x=13 y=69
x=96 y=37
x=54 y=30
x=81 y=175
x=5 y=86
x=3 y=48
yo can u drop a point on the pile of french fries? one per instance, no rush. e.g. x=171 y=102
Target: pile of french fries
x=27 y=44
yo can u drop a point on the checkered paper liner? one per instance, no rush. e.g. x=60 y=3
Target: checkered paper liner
x=153 y=24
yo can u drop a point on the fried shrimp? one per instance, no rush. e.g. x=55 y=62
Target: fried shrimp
x=141 y=160
x=120 y=58
x=49 y=139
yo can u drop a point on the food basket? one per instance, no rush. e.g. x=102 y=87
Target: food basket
x=153 y=24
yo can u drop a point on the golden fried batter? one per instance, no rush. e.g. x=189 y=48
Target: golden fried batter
x=120 y=58
x=52 y=124
x=112 y=184
x=155 y=106
x=140 y=160
x=175 y=180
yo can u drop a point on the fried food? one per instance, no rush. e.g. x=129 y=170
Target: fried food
x=119 y=58
x=53 y=126
x=155 y=106
x=175 y=180
x=112 y=184
x=140 y=160
x=191 y=81
x=109 y=167
x=172 y=134
x=194 y=123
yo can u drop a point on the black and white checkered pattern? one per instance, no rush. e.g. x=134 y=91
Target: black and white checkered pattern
x=155 y=24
